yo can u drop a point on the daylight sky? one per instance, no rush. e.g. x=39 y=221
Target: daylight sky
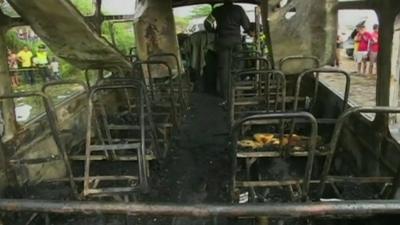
x=347 y=18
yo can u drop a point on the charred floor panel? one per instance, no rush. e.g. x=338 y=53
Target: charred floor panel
x=198 y=171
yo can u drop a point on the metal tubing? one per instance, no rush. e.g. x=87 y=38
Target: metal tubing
x=87 y=79
x=153 y=62
x=299 y=57
x=152 y=86
x=257 y=59
x=180 y=74
x=140 y=152
x=52 y=119
x=65 y=82
x=178 y=66
x=147 y=103
x=336 y=135
x=313 y=140
x=338 y=209
x=318 y=71
x=277 y=73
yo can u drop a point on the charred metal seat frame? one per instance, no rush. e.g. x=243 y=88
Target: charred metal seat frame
x=183 y=87
x=265 y=94
x=135 y=183
x=327 y=178
x=251 y=157
x=65 y=82
x=155 y=151
x=162 y=93
x=52 y=120
x=163 y=104
x=290 y=83
x=238 y=65
x=260 y=63
x=318 y=73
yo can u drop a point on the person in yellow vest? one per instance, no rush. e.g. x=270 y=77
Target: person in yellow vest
x=42 y=62
x=25 y=58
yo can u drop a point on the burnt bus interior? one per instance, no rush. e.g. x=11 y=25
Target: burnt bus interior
x=140 y=146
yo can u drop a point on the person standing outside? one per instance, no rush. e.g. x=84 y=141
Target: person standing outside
x=25 y=58
x=229 y=18
x=363 y=38
x=55 y=69
x=13 y=67
x=374 y=49
x=339 y=47
x=42 y=62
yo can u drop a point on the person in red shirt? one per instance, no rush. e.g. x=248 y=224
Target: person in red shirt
x=374 y=48
x=361 y=56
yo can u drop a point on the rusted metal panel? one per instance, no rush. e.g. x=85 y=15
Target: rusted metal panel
x=65 y=31
x=303 y=28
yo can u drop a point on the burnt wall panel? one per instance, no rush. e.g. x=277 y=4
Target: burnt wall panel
x=303 y=27
x=35 y=141
x=155 y=33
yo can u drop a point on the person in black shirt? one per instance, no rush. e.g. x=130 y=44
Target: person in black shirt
x=229 y=18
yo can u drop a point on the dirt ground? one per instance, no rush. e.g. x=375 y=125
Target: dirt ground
x=362 y=87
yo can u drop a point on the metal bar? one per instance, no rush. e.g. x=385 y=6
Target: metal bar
x=297 y=210
x=48 y=159
x=104 y=178
x=257 y=59
x=336 y=135
x=142 y=151
x=299 y=57
x=318 y=72
x=275 y=154
x=110 y=190
x=114 y=147
x=272 y=183
x=118 y=158
x=64 y=82
x=359 y=180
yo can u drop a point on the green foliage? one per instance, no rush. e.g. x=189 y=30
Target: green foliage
x=69 y=71
x=200 y=11
x=16 y=44
x=13 y=42
x=181 y=23
x=123 y=33
x=86 y=7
